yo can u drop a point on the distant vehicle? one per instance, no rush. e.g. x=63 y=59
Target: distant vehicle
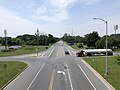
x=66 y=52
x=94 y=52
x=15 y=47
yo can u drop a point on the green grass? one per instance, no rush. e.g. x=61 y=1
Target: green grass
x=24 y=50
x=12 y=69
x=116 y=50
x=75 y=47
x=98 y=63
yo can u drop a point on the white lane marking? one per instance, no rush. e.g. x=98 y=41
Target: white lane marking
x=63 y=51
x=69 y=51
x=42 y=54
x=69 y=78
x=51 y=52
x=35 y=77
x=57 y=53
x=87 y=77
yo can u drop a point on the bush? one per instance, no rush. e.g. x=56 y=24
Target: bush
x=118 y=59
x=90 y=47
x=8 y=50
x=80 y=45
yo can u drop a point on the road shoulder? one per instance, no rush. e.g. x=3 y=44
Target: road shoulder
x=107 y=84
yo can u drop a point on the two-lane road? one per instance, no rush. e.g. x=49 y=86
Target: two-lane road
x=56 y=71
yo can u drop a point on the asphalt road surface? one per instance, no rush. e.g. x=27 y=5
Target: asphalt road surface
x=53 y=70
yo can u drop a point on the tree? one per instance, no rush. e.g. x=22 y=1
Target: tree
x=91 y=39
x=27 y=39
x=112 y=42
x=51 y=39
x=80 y=39
x=68 y=38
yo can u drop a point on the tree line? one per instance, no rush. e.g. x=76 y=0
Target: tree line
x=93 y=40
x=28 y=39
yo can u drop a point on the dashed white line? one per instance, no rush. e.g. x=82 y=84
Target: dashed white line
x=51 y=52
x=63 y=51
x=35 y=77
x=42 y=54
x=87 y=77
x=69 y=78
x=69 y=51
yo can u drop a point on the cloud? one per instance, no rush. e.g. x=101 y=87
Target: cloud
x=15 y=24
x=89 y=2
x=53 y=10
x=56 y=10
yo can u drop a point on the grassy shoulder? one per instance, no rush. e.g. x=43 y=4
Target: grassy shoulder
x=116 y=50
x=98 y=63
x=11 y=70
x=24 y=50
x=75 y=47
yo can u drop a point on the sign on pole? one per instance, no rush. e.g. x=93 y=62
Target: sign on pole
x=115 y=28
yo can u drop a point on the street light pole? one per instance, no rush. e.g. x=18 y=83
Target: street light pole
x=5 y=32
x=106 y=22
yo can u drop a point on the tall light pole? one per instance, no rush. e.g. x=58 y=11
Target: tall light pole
x=106 y=22
x=37 y=35
x=5 y=32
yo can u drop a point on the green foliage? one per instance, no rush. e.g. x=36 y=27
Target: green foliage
x=118 y=59
x=113 y=42
x=68 y=38
x=27 y=39
x=75 y=47
x=80 y=45
x=91 y=39
x=8 y=50
x=73 y=39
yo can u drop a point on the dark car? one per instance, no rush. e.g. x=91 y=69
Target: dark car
x=66 y=52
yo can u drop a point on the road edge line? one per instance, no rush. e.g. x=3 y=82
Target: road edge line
x=68 y=51
x=51 y=52
x=106 y=83
x=87 y=77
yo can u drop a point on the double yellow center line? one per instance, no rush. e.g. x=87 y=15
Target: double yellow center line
x=52 y=79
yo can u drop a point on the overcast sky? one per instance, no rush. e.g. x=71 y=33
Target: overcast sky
x=58 y=16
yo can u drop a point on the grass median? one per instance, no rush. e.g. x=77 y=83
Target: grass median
x=75 y=47
x=9 y=69
x=99 y=64
x=24 y=50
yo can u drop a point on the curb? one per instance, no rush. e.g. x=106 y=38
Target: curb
x=13 y=78
x=106 y=83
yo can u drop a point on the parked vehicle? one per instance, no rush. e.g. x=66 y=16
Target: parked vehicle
x=94 y=52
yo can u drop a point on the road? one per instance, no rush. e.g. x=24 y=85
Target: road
x=54 y=70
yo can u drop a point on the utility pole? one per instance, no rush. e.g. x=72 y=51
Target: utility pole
x=73 y=36
x=5 y=32
x=106 y=28
x=37 y=35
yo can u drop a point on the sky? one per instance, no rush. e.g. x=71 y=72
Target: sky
x=57 y=17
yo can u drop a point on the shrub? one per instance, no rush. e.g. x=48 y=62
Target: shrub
x=8 y=50
x=80 y=45
x=118 y=59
